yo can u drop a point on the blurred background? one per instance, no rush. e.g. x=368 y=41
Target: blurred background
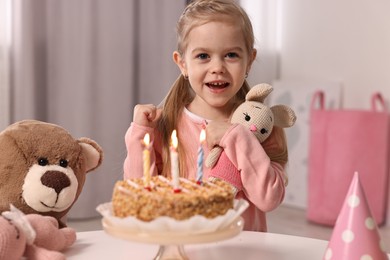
x=84 y=64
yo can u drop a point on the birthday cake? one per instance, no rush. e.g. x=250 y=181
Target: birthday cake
x=211 y=199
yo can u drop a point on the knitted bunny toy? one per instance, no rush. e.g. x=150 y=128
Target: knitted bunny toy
x=33 y=236
x=257 y=118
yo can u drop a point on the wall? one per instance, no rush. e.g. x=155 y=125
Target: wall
x=339 y=41
x=345 y=40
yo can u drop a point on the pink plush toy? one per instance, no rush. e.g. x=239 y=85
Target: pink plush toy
x=258 y=118
x=34 y=236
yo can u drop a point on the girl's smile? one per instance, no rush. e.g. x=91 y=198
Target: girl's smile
x=217 y=86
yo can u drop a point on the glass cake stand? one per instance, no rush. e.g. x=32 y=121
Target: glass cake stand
x=172 y=243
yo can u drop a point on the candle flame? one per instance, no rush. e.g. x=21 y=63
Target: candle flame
x=174 y=139
x=202 y=136
x=146 y=139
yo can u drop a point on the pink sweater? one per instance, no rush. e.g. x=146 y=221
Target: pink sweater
x=262 y=180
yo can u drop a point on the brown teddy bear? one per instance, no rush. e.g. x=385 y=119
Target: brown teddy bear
x=43 y=168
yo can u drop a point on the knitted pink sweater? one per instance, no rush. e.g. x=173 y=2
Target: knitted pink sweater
x=263 y=181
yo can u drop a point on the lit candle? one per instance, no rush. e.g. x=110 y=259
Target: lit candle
x=199 y=174
x=175 y=163
x=146 y=158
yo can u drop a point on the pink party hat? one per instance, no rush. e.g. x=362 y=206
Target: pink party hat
x=355 y=235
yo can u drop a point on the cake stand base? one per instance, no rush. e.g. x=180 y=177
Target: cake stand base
x=171 y=252
x=171 y=243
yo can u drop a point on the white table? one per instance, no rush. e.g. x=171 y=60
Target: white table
x=246 y=246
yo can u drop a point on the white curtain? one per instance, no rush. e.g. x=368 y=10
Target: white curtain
x=84 y=64
x=5 y=44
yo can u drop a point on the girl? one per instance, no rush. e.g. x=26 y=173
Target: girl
x=214 y=54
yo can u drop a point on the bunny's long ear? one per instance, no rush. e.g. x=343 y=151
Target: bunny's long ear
x=213 y=156
x=259 y=92
x=284 y=116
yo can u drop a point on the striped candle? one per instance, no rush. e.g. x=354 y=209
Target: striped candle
x=199 y=173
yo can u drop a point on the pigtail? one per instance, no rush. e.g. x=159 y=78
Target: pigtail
x=178 y=97
x=276 y=146
x=241 y=94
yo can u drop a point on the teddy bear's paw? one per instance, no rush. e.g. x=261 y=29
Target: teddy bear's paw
x=38 y=253
x=69 y=236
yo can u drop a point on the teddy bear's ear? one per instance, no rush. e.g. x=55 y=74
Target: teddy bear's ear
x=93 y=153
x=259 y=92
x=284 y=116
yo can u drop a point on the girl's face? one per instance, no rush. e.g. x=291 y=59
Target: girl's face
x=216 y=62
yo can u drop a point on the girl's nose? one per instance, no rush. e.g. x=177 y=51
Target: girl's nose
x=217 y=67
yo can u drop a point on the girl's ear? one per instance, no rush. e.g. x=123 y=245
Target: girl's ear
x=179 y=60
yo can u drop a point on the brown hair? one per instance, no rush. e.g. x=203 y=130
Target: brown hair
x=276 y=146
x=199 y=12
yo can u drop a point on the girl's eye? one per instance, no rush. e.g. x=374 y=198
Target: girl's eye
x=232 y=55
x=202 y=56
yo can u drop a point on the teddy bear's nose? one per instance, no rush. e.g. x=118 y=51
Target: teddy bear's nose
x=55 y=180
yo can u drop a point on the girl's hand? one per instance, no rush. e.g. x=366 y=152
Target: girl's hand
x=146 y=115
x=215 y=130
